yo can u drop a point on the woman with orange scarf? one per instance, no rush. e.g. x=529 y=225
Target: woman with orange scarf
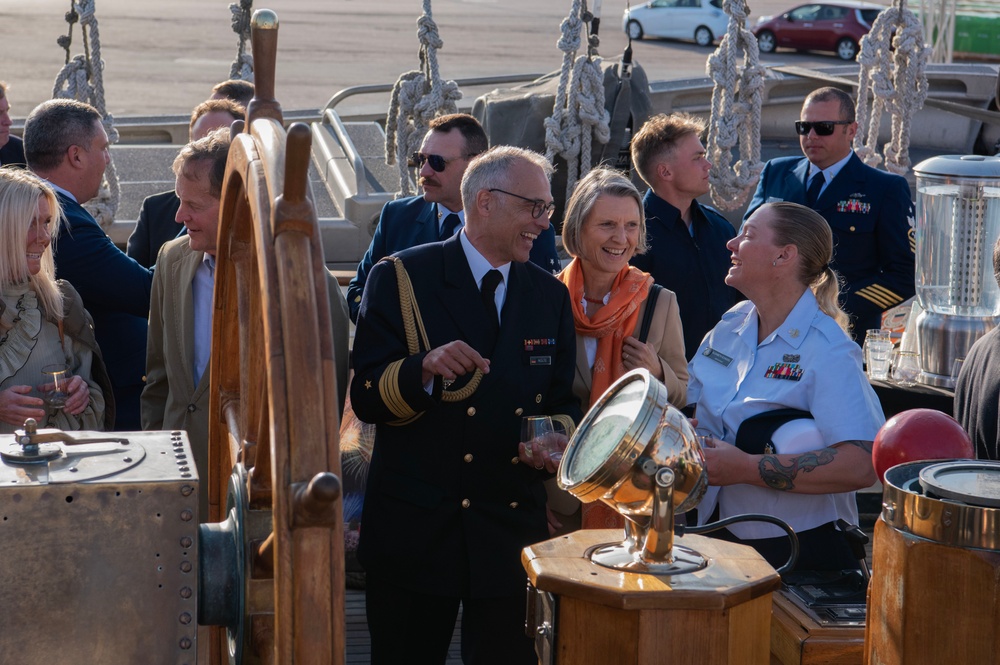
x=603 y=229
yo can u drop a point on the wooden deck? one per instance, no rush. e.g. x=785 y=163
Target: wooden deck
x=359 y=644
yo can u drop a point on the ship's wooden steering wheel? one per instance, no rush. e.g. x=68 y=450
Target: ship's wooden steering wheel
x=273 y=433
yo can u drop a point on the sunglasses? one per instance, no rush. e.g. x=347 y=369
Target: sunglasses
x=538 y=207
x=823 y=127
x=437 y=162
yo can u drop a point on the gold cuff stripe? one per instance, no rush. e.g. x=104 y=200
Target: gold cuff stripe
x=388 y=387
x=880 y=295
x=566 y=422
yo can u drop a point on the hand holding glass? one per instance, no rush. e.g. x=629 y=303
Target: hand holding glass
x=538 y=430
x=55 y=388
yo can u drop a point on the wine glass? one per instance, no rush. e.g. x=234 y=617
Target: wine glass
x=55 y=385
x=537 y=428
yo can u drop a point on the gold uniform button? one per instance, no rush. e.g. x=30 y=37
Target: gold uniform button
x=518 y=411
x=538 y=398
x=471 y=411
x=468 y=457
x=852 y=229
x=515 y=460
x=513 y=504
x=466 y=503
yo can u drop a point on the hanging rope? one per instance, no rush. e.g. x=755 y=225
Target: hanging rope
x=736 y=102
x=242 y=67
x=82 y=79
x=418 y=97
x=578 y=115
x=896 y=80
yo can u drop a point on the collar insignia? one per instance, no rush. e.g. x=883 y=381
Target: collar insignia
x=793 y=333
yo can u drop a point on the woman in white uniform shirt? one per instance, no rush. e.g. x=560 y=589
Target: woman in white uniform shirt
x=785 y=347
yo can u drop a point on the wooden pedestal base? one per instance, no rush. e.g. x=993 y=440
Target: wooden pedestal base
x=797 y=639
x=720 y=615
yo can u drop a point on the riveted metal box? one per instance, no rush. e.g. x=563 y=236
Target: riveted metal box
x=99 y=552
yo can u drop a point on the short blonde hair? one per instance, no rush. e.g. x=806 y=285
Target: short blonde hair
x=20 y=191
x=599 y=182
x=658 y=138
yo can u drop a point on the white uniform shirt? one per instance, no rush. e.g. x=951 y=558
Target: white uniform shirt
x=808 y=363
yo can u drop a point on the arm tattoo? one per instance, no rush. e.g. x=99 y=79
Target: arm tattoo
x=780 y=476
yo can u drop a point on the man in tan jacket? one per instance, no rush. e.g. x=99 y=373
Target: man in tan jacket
x=178 y=350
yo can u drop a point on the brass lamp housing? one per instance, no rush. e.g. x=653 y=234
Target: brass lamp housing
x=640 y=456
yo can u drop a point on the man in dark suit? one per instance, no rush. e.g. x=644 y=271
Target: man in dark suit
x=452 y=140
x=157 y=216
x=452 y=497
x=65 y=143
x=687 y=240
x=11 y=147
x=870 y=211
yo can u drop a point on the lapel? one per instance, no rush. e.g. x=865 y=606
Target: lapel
x=181 y=277
x=583 y=370
x=796 y=183
x=426 y=224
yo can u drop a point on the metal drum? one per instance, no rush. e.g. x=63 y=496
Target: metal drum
x=640 y=456
x=933 y=596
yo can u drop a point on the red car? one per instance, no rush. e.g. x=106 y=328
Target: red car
x=827 y=26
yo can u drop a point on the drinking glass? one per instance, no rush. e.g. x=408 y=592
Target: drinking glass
x=906 y=367
x=54 y=385
x=879 y=359
x=538 y=428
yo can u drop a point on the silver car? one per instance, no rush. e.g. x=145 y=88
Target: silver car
x=700 y=20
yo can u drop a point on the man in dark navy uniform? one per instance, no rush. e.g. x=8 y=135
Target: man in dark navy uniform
x=450 y=143
x=687 y=240
x=870 y=211
x=451 y=497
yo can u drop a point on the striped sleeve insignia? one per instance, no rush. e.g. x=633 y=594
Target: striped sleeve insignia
x=392 y=396
x=912 y=235
x=881 y=296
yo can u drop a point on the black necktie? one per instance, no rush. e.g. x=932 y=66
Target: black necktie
x=815 y=185
x=451 y=223
x=491 y=280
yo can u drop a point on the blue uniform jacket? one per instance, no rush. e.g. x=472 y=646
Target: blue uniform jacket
x=871 y=215
x=694 y=268
x=157 y=226
x=412 y=221
x=446 y=497
x=115 y=290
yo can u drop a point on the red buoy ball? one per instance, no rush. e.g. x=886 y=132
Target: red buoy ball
x=917 y=435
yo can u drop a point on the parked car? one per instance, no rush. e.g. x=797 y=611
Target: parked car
x=701 y=20
x=826 y=26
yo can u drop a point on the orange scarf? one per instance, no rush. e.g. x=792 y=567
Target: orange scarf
x=611 y=324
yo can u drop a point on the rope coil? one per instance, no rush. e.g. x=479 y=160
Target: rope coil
x=82 y=79
x=892 y=79
x=242 y=67
x=418 y=97
x=736 y=103
x=578 y=115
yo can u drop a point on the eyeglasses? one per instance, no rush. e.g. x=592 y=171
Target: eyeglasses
x=822 y=127
x=437 y=162
x=538 y=207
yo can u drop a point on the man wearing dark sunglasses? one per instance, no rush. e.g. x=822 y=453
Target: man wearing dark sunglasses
x=870 y=211
x=436 y=215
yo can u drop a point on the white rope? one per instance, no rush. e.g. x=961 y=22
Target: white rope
x=418 y=97
x=82 y=79
x=897 y=81
x=242 y=67
x=578 y=115
x=736 y=102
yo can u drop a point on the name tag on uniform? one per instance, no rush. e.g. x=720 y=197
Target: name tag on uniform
x=540 y=360
x=717 y=356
